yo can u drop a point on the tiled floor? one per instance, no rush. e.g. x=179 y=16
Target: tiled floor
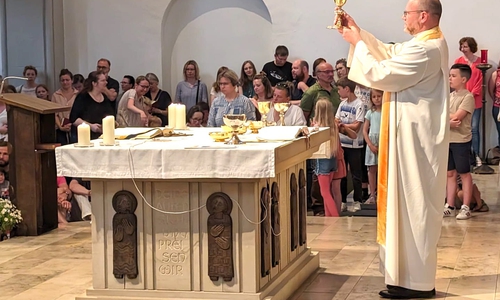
x=57 y=265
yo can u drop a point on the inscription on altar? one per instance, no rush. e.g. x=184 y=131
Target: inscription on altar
x=172 y=237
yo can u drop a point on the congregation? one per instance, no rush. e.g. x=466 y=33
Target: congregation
x=322 y=95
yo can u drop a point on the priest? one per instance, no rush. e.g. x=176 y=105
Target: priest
x=413 y=150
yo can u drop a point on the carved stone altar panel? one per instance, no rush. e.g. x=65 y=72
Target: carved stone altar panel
x=294 y=216
x=220 y=237
x=302 y=208
x=171 y=236
x=275 y=225
x=265 y=232
x=124 y=235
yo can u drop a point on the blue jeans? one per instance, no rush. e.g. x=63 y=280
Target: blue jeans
x=476 y=118
x=495 y=111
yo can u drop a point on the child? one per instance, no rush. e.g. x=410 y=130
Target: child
x=371 y=130
x=4 y=185
x=461 y=109
x=351 y=113
x=328 y=169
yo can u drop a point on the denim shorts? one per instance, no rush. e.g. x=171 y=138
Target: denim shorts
x=325 y=166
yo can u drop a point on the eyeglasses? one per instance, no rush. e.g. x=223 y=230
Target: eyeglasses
x=285 y=86
x=406 y=12
x=124 y=82
x=224 y=83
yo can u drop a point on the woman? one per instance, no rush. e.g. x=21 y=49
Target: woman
x=65 y=96
x=161 y=99
x=494 y=91
x=294 y=115
x=42 y=92
x=191 y=90
x=91 y=105
x=131 y=109
x=263 y=91
x=468 y=47
x=248 y=73
x=78 y=81
x=195 y=116
x=231 y=102
x=29 y=88
x=206 y=111
x=215 y=90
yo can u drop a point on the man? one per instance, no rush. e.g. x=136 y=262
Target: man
x=301 y=80
x=5 y=151
x=127 y=83
x=413 y=149
x=112 y=88
x=279 y=70
x=322 y=88
x=341 y=68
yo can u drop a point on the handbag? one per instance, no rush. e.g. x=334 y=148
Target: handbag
x=197 y=91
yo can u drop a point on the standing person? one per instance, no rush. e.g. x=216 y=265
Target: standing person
x=248 y=73
x=29 y=88
x=161 y=99
x=461 y=109
x=414 y=141
x=302 y=81
x=494 y=91
x=132 y=111
x=191 y=90
x=371 y=132
x=279 y=69
x=341 y=68
x=65 y=96
x=42 y=92
x=112 y=87
x=468 y=46
x=78 y=81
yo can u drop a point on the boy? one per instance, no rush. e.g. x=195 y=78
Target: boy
x=351 y=113
x=461 y=109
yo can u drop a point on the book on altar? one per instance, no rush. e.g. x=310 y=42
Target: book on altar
x=280 y=133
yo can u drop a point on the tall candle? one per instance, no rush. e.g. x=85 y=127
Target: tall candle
x=171 y=115
x=108 y=130
x=84 y=134
x=180 y=116
x=484 y=56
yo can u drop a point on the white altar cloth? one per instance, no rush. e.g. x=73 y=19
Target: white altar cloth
x=196 y=156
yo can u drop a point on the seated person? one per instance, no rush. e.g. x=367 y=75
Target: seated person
x=477 y=204
x=195 y=116
x=4 y=185
x=294 y=115
x=63 y=200
x=81 y=194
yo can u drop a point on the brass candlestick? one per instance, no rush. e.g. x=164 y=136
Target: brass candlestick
x=235 y=122
x=281 y=108
x=339 y=14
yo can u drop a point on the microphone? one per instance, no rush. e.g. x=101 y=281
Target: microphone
x=10 y=77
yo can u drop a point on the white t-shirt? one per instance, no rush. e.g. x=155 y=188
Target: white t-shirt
x=27 y=91
x=348 y=113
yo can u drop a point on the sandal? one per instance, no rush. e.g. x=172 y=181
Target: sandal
x=483 y=208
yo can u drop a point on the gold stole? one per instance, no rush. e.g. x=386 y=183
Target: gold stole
x=383 y=152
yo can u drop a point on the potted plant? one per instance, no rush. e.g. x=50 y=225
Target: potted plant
x=10 y=216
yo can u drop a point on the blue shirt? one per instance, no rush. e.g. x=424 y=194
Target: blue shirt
x=221 y=107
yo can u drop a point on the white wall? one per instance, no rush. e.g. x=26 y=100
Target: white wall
x=129 y=33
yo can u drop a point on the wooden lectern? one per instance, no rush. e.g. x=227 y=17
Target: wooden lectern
x=32 y=170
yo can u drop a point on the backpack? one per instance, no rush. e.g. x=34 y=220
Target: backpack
x=493 y=156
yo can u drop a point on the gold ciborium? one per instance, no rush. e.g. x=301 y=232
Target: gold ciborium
x=235 y=122
x=264 y=107
x=281 y=108
x=339 y=14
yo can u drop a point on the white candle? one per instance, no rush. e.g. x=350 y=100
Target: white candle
x=180 y=116
x=171 y=115
x=83 y=134
x=108 y=130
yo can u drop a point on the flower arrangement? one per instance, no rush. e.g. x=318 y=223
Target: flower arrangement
x=10 y=216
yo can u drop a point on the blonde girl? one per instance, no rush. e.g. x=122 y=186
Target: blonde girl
x=371 y=132
x=330 y=170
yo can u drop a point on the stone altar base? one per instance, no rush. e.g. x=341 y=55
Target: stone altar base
x=173 y=248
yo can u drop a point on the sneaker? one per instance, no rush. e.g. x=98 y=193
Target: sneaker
x=464 y=213
x=357 y=205
x=448 y=211
x=478 y=161
x=343 y=207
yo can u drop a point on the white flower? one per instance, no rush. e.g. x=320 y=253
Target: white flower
x=5 y=219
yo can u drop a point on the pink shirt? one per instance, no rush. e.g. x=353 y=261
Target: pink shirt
x=60 y=180
x=496 y=100
x=475 y=83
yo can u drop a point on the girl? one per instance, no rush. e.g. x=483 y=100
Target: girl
x=331 y=170
x=371 y=131
x=248 y=73
x=42 y=92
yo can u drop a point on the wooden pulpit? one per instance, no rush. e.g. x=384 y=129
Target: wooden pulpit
x=32 y=163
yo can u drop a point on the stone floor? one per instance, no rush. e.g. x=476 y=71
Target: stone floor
x=57 y=265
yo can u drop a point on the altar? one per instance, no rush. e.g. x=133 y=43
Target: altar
x=212 y=221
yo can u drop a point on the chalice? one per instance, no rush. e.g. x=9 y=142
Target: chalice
x=339 y=14
x=264 y=107
x=235 y=122
x=281 y=108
